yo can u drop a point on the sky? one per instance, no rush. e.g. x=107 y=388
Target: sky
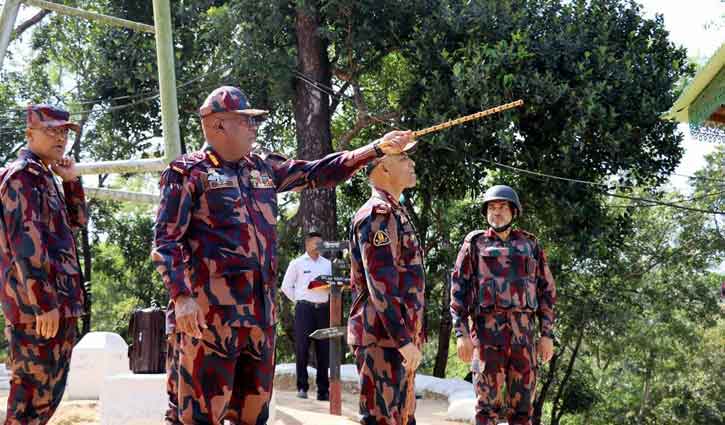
x=686 y=21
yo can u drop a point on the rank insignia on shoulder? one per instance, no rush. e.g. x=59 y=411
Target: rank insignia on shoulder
x=217 y=180
x=381 y=238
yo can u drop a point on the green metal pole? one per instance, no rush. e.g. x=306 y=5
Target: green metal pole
x=7 y=23
x=167 y=79
x=72 y=11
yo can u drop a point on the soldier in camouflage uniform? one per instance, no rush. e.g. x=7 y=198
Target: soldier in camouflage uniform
x=215 y=247
x=502 y=282
x=41 y=293
x=385 y=328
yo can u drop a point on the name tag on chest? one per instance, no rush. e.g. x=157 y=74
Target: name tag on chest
x=217 y=180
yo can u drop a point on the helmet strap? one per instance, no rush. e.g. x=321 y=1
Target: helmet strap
x=503 y=228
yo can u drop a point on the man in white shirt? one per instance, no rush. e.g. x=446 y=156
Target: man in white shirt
x=312 y=312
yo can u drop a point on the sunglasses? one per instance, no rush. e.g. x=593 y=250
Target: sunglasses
x=249 y=120
x=55 y=131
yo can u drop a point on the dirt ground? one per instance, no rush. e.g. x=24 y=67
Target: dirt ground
x=290 y=411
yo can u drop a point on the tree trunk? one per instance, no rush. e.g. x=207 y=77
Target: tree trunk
x=556 y=412
x=545 y=386
x=646 y=387
x=312 y=117
x=444 y=331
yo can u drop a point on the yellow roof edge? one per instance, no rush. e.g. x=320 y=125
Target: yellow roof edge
x=678 y=111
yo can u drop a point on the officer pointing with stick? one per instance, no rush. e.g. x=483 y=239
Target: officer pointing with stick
x=215 y=246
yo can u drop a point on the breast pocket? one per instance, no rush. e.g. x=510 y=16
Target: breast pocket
x=523 y=286
x=409 y=248
x=222 y=207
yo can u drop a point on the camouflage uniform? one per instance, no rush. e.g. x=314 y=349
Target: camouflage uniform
x=39 y=273
x=502 y=286
x=171 y=417
x=387 y=275
x=215 y=240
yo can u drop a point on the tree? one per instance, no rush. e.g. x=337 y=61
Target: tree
x=595 y=76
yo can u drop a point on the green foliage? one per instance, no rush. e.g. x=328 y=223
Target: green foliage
x=636 y=282
x=123 y=276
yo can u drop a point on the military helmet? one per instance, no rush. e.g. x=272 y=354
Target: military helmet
x=502 y=193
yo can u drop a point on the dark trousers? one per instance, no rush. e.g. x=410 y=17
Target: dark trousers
x=308 y=318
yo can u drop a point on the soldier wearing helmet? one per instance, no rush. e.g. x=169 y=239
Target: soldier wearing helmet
x=502 y=283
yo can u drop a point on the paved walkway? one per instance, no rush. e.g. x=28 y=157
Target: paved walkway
x=294 y=411
x=290 y=411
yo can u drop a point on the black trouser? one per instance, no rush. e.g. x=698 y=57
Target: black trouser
x=308 y=318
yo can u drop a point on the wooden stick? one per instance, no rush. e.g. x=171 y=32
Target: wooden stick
x=467 y=118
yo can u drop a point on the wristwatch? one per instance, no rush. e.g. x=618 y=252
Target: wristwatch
x=379 y=152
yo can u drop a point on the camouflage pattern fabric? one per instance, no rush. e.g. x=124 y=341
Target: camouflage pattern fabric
x=226 y=374
x=39 y=368
x=229 y=99
x=511 y=361
x=503 y=286
x=48 y=116
x=215 y=240
x=387 y=396
x=217 y=219
x=171 y=417
x=39 y=273
x=37 y=248
x=387 y=274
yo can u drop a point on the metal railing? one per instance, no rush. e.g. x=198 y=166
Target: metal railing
x=162 y=29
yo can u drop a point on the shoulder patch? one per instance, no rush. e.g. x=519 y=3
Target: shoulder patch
x=381 y=238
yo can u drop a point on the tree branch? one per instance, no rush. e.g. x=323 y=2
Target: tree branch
x=364 y=119
x=29 y=23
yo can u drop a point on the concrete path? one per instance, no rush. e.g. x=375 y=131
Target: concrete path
x=290 y=411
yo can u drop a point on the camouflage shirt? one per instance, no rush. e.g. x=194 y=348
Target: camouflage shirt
x=492 y=274
x=38 y=251
x=387 y=273
x=215 y=237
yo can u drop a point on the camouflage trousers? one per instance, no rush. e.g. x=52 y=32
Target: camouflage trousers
x=227 y=374
x=39 y=371
x=171 y=417
x=505 y=354
x=387 y=392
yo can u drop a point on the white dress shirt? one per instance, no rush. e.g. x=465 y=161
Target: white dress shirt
x=301 y=271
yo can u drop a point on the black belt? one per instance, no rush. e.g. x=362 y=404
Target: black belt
x=314 y=305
